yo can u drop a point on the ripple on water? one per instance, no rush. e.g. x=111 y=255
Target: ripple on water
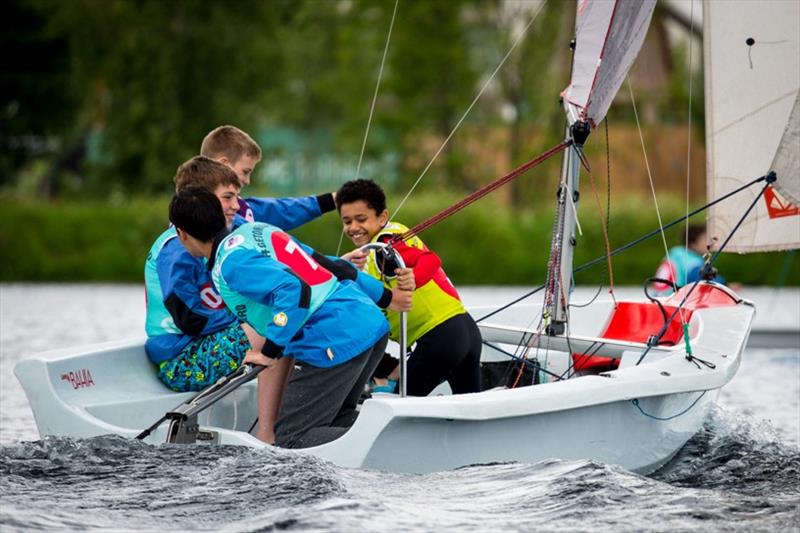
x=113 y=483
x=132 y=483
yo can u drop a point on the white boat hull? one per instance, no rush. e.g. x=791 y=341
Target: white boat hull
x=113 y=388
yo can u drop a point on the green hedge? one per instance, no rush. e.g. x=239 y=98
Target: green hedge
x=486 y=244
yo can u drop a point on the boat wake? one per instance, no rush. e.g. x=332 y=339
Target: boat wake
x=734 y=453
x=734 y=474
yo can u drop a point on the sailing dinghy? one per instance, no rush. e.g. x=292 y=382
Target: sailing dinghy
x=623 y=382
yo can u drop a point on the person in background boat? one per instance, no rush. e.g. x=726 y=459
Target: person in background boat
x=306 y=306
x=448 y=342
x=191 y=336
x=684 y=264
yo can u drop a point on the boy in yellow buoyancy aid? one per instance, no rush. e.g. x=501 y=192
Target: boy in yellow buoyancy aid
x=448 y=342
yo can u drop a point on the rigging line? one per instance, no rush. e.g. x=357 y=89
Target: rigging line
x=635 y=402
x=480 y=193
x=688 y=148
x=605 y=236
x=339 y=246
x=673 y=223
x=568 y=336
x=631 y=244
x=689 y=118
x=608 y=201
x=649 y=173
x=525 y=362
x=652 y=188
x=474 y=101
x=576 y=363
x=377 y=86
x=591 y=301
x=770 y=177
x=372 y=108
x=529 y=343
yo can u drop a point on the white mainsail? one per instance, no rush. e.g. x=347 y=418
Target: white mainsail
x=752 y=79
x=608 y=35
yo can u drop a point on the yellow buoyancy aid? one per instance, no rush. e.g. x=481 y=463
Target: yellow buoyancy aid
x=432 y=304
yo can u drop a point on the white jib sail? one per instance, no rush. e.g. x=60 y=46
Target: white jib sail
x=608 y=37
x=752 y=78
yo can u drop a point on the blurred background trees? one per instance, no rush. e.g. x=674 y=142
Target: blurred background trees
x=101 y=100
x=104 y=98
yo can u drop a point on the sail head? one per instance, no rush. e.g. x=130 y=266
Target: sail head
x=608 y=37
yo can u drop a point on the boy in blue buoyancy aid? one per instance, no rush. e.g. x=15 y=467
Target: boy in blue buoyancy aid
x=306 y=306
x=233 y=147
x=683 y=265
x=191 y=337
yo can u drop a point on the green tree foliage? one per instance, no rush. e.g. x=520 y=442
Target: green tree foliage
x=153 y=77
x=131 y=86
x=531 y=78
x=432 y=77
x=35 y=108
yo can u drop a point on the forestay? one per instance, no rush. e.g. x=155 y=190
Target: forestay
x=752 y=77
x=609 y=34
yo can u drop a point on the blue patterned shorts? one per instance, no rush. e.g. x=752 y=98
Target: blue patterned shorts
x=205 y=360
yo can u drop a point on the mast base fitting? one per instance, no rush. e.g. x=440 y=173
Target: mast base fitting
x=555 y=328
x=580 y=131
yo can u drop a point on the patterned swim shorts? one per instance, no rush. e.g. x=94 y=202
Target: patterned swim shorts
x=205 y=360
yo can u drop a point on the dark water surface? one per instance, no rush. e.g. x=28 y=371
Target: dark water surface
x=741 y=473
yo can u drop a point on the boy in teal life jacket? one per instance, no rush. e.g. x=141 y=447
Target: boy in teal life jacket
x=447 y=340
x=318 y=310
x=191 y=336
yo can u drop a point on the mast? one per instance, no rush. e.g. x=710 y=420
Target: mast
x=608 y=37
x=564 y=240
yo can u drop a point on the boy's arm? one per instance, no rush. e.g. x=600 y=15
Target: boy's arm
x=425 y=263
x=289 y=213
x=394 y=299
x=196 y=310
x=272 y=284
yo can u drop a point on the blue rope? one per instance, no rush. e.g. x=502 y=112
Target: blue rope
x=635 y=402
x=626 y=246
